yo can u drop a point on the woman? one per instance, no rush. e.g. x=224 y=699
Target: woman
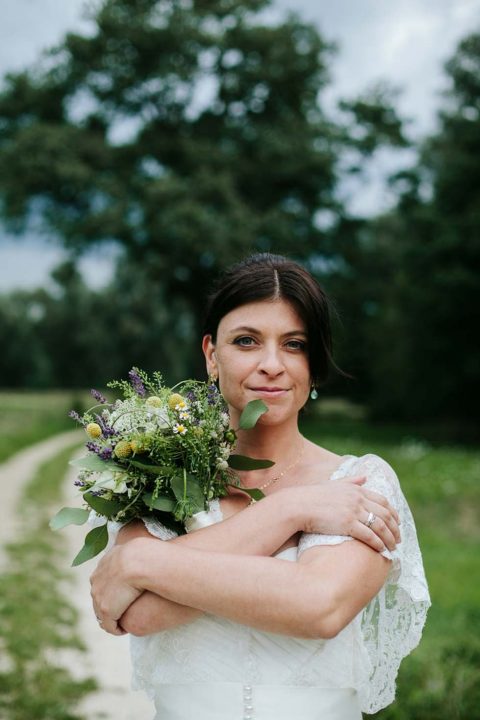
x=268 y=612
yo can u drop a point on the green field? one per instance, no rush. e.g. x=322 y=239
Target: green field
x=441 y=482
x=28 y=417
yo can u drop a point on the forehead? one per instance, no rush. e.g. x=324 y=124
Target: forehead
x=264 y=315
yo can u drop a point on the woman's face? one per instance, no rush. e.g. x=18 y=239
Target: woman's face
x=261 y=353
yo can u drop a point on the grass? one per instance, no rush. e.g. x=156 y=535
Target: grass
x=37 y=622
x=28 y=417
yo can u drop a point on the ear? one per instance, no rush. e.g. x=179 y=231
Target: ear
x=209 y=351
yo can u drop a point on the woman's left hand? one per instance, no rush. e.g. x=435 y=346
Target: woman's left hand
x=111 y=590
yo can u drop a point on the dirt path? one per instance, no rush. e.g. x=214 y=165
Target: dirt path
x=107 y=657
x=16 y=472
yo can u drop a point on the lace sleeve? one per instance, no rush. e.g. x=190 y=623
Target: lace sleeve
x=198 y=520
x=392 y=623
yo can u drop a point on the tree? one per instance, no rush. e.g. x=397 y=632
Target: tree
x=425 y=344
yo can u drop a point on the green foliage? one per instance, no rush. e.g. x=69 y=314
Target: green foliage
x=195 y=184
x=37 y=622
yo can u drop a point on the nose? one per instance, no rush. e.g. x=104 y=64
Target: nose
x=270 y=362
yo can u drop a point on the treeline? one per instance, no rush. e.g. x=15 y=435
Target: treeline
x=111 y=140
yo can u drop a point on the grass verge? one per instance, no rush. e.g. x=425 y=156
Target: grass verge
x=37 y=621
x=28 y=417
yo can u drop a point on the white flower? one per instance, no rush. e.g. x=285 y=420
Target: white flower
x=222 y=464
x=179 y=429
x=225 y=419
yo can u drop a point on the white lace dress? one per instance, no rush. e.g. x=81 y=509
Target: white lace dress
x=215 y=669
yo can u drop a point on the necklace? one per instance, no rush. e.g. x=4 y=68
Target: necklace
x=287 y=469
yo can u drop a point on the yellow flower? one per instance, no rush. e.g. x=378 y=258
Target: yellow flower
x=175 y=400
x=123 y=449
x=137 y=446
x=93 y=430
x=153 y=401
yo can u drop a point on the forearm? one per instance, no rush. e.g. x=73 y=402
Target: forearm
x=256 y=591
x=259 y=529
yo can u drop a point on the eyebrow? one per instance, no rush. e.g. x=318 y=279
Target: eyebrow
x=255 y=331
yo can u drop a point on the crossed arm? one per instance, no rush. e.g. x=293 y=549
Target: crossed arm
x=174 y=582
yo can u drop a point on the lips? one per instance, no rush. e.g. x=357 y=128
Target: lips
x=269 y=389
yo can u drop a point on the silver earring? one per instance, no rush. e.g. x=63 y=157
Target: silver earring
x=313 y=393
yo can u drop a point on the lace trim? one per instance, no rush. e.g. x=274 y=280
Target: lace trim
x=391 y=625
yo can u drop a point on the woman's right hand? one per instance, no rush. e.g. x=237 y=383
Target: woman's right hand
x=342 y=508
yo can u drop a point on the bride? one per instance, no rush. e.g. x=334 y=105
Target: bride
x=303 y=604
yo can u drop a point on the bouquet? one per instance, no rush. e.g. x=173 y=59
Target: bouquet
x=159 y=453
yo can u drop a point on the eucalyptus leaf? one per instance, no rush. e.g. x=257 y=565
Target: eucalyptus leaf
x=93 y=462
x=251 y=412
x=102 y=506
x=242 y=462
x=165 y=504
x=254 y=493
x=95 y=542
x=69 y=516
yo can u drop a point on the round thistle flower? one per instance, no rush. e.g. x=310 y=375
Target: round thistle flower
x=179 y=429
x=137 y=446
x=153 y=401
x=123 y=449
x=175 y=400
x=198 y=431
x=93 y=430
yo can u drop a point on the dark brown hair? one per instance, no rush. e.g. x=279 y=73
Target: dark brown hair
x=266 y=277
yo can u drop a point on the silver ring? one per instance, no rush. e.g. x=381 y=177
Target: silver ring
x=371 y=519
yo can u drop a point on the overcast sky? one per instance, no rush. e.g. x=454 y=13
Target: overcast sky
x=405 y=42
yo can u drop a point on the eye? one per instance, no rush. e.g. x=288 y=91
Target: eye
x=244 y=341
x=296 y=345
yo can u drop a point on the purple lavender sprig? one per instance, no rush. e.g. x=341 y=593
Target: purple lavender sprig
x=75 y=416
x=137 y=382
x=99 y=397
x=107 y=430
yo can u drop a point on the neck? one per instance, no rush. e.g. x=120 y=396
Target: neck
x=281 y=444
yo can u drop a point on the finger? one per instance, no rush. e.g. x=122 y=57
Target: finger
x=361 y=532
x=387 y=517
x=381 y=500
x=356 y=480
x=111 y=626
x=381 y=528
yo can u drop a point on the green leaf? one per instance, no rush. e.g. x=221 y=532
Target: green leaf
x=194 y=491
x=251 y=412
x=156 y=469
x=165 y=504
x=102 y=506
x=69 y=516
x=93 y=462
x=254 y=493
x=95 y=542
x=242 y=462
